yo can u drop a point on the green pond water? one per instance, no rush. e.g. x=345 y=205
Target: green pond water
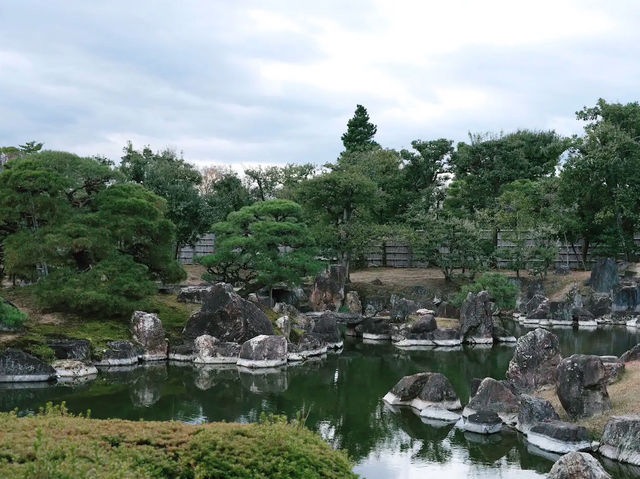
x=341 y=395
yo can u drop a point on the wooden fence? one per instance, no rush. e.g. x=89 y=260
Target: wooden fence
x=204 y=246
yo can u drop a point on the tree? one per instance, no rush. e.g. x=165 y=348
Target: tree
x=336 y=202
x=92 y=245
x=277 y=181
x=223 y=194
x=600 y=181
x=175 y=180
x=262 y=245
x=360 y=132
x=31 y=147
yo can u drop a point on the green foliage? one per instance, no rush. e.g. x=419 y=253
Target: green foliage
x=262 y=245
x=274 y=182
x=55 y=443
x=223 y=193
x=10 y=316
x=502 y=291
x=360 y=132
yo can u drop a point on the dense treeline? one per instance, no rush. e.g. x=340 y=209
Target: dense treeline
x=88 y=231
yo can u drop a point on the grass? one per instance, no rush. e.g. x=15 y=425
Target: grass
x=42 y=326
x=624 y=400
x=54 y=444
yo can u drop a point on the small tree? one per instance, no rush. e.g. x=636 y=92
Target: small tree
x=360 y=132
x=262 y=245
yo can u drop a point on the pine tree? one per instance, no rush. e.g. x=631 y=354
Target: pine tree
x=360 y=132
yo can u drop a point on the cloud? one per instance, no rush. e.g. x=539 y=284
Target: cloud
x=272 y=82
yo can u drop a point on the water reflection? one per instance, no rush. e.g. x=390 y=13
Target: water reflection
x=341 y=394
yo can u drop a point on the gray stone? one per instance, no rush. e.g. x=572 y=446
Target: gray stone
x=284 y=324
x=73 y=370
x=328 y=289
x=534 y=410
x=534 y=303
x=577 y=465
x=426 y=324
x=325 y=328
x=353 y=303
x=425 y=391
x=119 y=353
x=535 y=360
x=447 y=310
x=543 y=311
x=147 y=331
x=18 y=366
x=494 y=396
x=375 y=328
x=264 y=351
x=79 y=349
x=604 y=275
x=228 y=317
x=374 y=305
x=559 y=437
x=306 y=346
x=298 y=320
x=193 y=294
x=621 y=439
x=476 y=322
x=482 y=422
x=626 y=298
x=182 y=352
x=409 y=387
x=613 y=367
x=582 y=386
x=632 y=355
x=209 y=350
x=599 y=304
x=401 y=308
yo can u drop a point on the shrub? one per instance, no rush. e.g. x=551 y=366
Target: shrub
x=503 y=292
x=10 y=316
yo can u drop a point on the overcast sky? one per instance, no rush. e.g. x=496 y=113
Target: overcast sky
x=245 y=82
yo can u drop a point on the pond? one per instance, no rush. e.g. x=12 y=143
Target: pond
x=341 y=394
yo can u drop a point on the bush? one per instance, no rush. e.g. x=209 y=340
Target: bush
x=10 y=316
x=503 y=292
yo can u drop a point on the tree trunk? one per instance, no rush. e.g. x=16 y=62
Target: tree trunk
x=585 y=252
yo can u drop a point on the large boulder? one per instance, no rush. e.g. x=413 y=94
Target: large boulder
x=353 y=303
x=535 y=361
x=599 y=304
x=119 y=353
x=305 y=347
x=577 y=465
x=78 y=349
x=632 y=355
x=147 y=331
x=375 y=329
x=543 y=311
x=193 y=294
x=534 y=303
x=298 y=320
x=613 y=368
x=328 y=289
x=604 y=275
x=401 y=308
x=210 y=350
x=423 y=325
x=582 y=386
x=476 y=322
x=264 y=351
x=482 y=422
x=621 y=439
x=325 y=328
x=407 y=388
x=534 y=410
x=559 y=437
x=494 y=396
x=626 y=298
x=18 y=366
x=430 y=393
x=73 y=370
x=228 y=317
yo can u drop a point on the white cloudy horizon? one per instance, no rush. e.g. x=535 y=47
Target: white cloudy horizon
x=272 y=82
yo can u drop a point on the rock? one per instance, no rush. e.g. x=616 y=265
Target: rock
x=534 y=303
x=626 y=298
x=298 y=319
x=71 y=369
x=182 y=352
x=534 y=410
x=210 y=350
x=446 y=337
x=535 y=360
x=599 y=304
x=501 y=335
x=632 y=355
x=621 y=439
x=377 y=282
x=473 y=387
x=604 y=275
x=476 y=323
x=353 y=303
x=263 y=351
x=577 y=465
x=147 y=331
x=401 y=308
x=426 y=324
x=430 y=393
x=119 y=353
x=228 y=317
x=562 y=270
x=559 y=437
x=494 y=396
x=374 y=305
x=582 y=386
x=79 y=349
x=284 y=324
x=613 y=368
x=294 y=296
x=193 y=294
x=18 y=366
x=306 y=347
x=328 y=289
x=482 y=422
x=447 y=310
x=326 y=329
x=582 y=315
x=543 y=311
x=376 y=329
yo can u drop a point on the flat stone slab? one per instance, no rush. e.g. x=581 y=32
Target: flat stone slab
x=483 y=422
x=559 y=437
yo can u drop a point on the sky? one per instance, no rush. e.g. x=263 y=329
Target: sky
x=242 y=83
